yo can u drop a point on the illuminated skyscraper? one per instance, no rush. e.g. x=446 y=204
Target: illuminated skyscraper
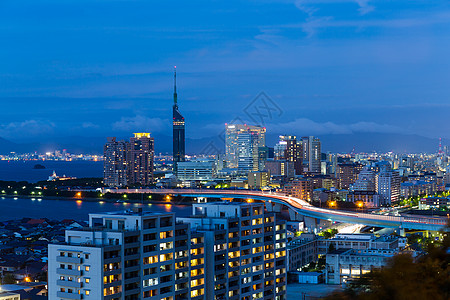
x=242 y=143
x=178 y=128
x=288 y=148
x=312 y=153
x=140 y=155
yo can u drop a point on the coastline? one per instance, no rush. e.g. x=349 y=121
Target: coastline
x=98 y=200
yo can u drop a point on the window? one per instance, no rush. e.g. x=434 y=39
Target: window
x=87 y=280
x=165 y=234
x=87 y=292
x=87 y=268
x=121 y=225
x=108 y=224
x=86 y=256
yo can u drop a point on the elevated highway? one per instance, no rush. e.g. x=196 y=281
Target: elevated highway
x=305 y=209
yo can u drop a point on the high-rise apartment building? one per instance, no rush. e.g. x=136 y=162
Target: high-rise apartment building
x=223 y=251
x=242 y=144
x=140 y=156
x=179 y=143
x=246 y=250
x=312 y=153
x=347 y=173
x=128 y=255
x=299 y=188
x=115 y=163
x=130 y=162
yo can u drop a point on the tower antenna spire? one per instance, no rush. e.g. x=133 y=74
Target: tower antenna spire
x=175 y=100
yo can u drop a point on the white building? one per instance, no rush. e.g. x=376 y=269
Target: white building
x=246 y=250
x=197 y=170
x=345 y=264
x=9 y=296
x=128 y=255
x=223 y=251
x=365 y=182
x=388 y=186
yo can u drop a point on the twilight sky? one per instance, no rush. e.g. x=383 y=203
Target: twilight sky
x=97 y=68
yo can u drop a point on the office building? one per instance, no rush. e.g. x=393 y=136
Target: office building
x=115 y=163
x=312 y=153
x=257 y=180
x=197 y=170
x=179 y=142
x=263 y=156
x=246 y=250
x=128 y=255
x=140 y=159
x=242 y=144
x=343 y=265
x=388 y=187
x=245 y=153
x=288 y=148
x=358 y=241
x=280 y=169
x=301 y=251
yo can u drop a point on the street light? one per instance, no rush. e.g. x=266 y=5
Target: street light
x=360 y=204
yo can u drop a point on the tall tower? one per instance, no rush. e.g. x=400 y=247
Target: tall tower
x=178 y=128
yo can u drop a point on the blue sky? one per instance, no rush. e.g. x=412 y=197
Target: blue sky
x=98 y=68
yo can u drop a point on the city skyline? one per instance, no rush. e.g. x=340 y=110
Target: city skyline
x=303 y=152
x=297 y=60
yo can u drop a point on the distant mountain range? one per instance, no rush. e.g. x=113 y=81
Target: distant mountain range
x=344 y=143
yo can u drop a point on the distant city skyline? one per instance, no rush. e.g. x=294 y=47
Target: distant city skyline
x=331 y=67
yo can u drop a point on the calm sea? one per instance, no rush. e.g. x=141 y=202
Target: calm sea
x=23 y=170
x=17 y=208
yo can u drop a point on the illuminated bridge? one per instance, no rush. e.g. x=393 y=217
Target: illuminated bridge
x=302 y=211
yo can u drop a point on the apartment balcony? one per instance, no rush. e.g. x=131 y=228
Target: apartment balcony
x=65 y=295
x=69 y=260
x=69 y=272
x=68 y=283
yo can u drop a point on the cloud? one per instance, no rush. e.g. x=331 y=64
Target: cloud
x=364 y=7
x=309 y=127
x=89 y=125
x=28 y=128
x=312 y=22
x=141 y=124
